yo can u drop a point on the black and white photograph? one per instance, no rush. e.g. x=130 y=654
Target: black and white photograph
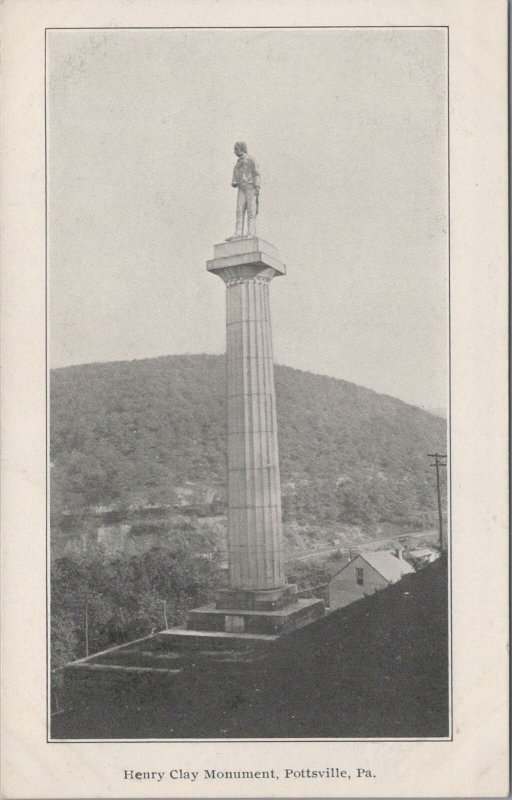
x=254 y=399
x=248 y=477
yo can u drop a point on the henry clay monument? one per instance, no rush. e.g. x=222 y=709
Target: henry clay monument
x=258 y=600
x=249 y=617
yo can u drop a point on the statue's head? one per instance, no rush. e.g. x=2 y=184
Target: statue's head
x=240 y=148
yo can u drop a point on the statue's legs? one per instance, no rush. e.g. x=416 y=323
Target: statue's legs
x=251 y=226
x=241 y=205
x=250 y=197
x=245 y=202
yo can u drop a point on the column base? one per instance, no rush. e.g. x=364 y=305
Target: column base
x=256 y=599
x=242 y=621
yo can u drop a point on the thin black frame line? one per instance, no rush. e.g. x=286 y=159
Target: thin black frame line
x=239 y=27
x=450 y=621
x=509 y=342
x=450 y=535
x=46 y=385
x=441 y=739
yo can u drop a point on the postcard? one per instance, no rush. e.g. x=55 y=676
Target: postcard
x=254 y=399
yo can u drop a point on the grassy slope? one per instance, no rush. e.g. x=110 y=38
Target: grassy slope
x=378 y=669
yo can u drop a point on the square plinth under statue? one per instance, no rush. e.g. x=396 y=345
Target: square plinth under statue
x=260 y=258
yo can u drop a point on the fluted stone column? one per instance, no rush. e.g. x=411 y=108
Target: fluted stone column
x=258 y=604
x=254 y=491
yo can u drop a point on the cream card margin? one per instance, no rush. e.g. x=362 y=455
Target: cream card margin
x=473 y=764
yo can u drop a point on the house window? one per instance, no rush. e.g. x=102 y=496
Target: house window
x=359 y=576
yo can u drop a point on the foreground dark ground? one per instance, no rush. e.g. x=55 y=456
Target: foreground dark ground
x=376 y=669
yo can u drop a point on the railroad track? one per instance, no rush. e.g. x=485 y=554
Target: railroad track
x=303 y=554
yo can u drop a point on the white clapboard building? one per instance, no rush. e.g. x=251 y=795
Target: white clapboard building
x=366 y=574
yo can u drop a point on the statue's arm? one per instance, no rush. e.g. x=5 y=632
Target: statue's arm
x=256 y=174
x=234 y=180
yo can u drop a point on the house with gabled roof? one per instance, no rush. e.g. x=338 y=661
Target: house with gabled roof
x=365 y=574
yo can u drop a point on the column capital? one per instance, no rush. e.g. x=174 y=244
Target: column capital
x=245 y=259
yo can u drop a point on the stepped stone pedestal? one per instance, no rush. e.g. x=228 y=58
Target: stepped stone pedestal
x=258 y=601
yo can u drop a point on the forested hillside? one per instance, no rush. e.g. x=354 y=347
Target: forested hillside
x=152 y=432
x=138 y=487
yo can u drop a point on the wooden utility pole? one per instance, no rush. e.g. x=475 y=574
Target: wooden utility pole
x=439 y=463
x=86 y=626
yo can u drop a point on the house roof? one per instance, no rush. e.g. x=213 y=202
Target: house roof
x=389 y=566
x=420 y=552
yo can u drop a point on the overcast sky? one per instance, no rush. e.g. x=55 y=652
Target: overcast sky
x=349 y=129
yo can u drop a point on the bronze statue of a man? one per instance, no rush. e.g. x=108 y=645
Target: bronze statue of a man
x=246 y=178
